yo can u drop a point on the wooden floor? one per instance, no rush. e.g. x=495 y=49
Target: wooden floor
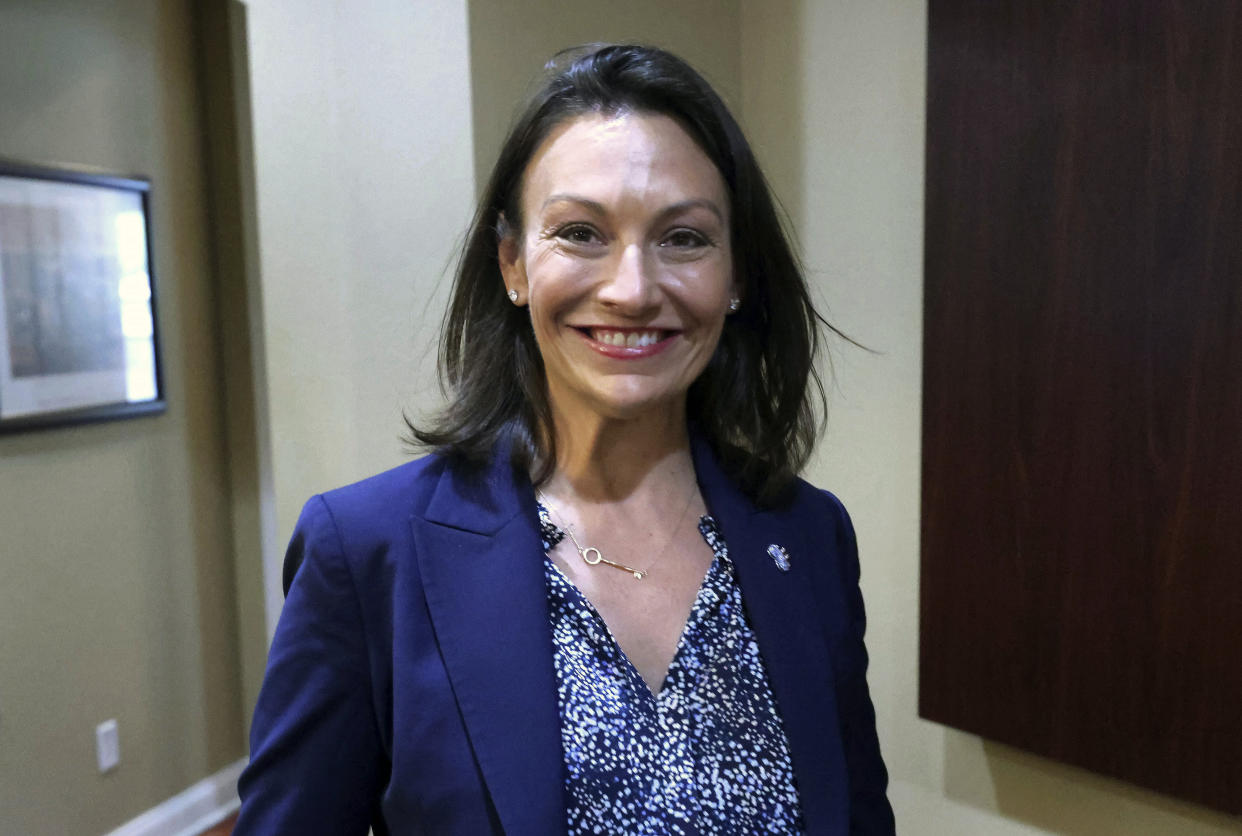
x=224 y=828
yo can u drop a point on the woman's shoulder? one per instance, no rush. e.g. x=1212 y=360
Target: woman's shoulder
x=379 y=508
x=801 y=499
x=396 y=492
x=366 y=518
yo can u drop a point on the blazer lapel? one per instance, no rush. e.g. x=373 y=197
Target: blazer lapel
x=787 y=622
x=481 y=562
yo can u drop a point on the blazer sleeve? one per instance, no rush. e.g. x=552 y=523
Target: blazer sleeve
x=870 y=812
x=316 y=762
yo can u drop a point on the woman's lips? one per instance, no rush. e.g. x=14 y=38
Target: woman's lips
x=627 y=343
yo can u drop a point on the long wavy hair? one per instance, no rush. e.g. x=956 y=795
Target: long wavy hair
x=759 y=402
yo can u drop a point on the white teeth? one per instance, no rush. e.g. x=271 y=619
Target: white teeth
x=633 y=339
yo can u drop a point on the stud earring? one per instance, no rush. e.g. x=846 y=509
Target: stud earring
x=734 y=304
x=513 y=296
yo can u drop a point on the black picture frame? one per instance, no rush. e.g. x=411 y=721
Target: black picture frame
x=79 y=335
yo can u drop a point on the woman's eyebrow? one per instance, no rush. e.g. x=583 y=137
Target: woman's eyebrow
x=673 y=209
x=694 y=203
x=594 y=206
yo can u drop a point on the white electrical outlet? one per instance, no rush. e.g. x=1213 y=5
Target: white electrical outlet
x=107 y=745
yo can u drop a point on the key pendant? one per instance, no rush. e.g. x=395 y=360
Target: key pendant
x=592 y=557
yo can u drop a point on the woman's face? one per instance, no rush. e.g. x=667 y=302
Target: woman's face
x=624 y=259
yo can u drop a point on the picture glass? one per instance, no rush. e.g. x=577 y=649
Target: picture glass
x=76 y=315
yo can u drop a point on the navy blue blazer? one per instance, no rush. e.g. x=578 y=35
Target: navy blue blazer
x=411 y=686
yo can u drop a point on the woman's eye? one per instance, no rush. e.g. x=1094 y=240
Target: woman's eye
x=578 y=234
x=684 y=238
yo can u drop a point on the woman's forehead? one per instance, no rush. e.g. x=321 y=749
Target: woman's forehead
x=623 y=158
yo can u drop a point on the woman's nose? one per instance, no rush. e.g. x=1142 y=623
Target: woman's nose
x=631 y=287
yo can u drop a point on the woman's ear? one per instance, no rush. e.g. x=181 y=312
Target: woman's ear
x=512 y=267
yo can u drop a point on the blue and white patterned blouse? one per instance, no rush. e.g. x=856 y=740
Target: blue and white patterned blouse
x=708 y=754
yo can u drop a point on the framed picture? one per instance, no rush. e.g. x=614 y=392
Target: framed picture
x=78 y=338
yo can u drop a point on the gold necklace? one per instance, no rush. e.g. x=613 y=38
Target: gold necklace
x=593 y=557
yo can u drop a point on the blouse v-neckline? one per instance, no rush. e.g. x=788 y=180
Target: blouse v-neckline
x=709 y=592
x=708 y=752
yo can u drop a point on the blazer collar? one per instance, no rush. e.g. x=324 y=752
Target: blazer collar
x=481 y=560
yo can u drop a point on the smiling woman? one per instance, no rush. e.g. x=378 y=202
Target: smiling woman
x=604 y=603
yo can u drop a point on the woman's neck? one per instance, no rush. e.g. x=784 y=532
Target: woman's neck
x=606 y=460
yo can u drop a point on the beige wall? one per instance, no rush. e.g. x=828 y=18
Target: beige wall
x=363 y=182
x=833 y=95
x=116 y=584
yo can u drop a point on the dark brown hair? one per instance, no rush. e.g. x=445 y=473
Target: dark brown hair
x=760 y=402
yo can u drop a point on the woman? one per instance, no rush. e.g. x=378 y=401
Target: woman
x=605 y=603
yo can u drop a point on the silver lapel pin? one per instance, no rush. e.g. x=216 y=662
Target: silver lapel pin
x=779 y=556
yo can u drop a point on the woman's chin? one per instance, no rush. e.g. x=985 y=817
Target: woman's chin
x=633 y=406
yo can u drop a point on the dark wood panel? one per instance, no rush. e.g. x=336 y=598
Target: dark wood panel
x=1082 y=432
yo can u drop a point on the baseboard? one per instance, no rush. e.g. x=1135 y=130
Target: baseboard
x=192 y=810
x=933 y=811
